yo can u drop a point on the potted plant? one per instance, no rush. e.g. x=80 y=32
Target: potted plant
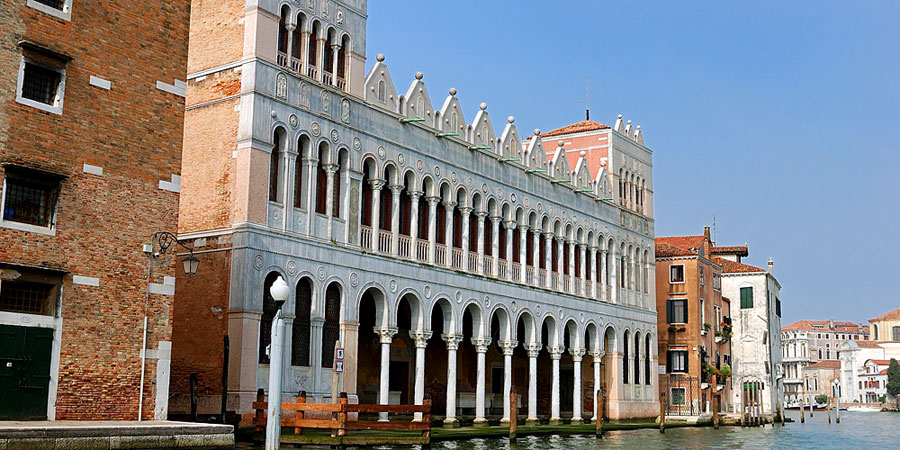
x=706 y=327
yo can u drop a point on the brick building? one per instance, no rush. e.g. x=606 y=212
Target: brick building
x=91 y=115
x=694 y=324
x=444 y=256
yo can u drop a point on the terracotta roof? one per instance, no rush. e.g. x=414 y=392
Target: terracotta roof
x=580 y=127
x=827 y=364
x=867 y=344
x=893 y=315
x=839 y=327
x=881 y=362
x=740 y=250
x=736 y=267
x=685 y=242
x=664 y=250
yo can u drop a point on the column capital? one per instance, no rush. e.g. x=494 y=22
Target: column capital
x=465 y=210
x=509 y=224
x=395 y=188
x=415 y=195
x=533 y=349
x=555 y=352
x=480 y=214
x=290 y=27
x=421 y=337
x=537 y=231
x=335 y=46
x=330 y=168
x=523 y=228
x=604 y=251
x=481 y=345
x=577 y=354
x=593 y=248
x=449 y=205
x=386 y=334
x=496 y=219
x=598 y=356
x=508 y=347
x=452 y=340
x=377 y=184
x=432 y=200
x=548 y=234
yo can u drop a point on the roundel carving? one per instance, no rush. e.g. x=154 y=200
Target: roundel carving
x=437 y=171
x=393 y=285
x=335 y=136
x=258 y=262
x=427 y=291
x=357 y=144
x=401 y=159
x=354 y=279
x=537 y=309
x=295 y=122
x=321 y=273
x=315 y=129
x=459 y=297
x=381 y=152
x=291 y=267
x=420 y=166
x=453 y=177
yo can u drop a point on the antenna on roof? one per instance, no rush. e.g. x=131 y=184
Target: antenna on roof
x=715 y=234
x=587 y=97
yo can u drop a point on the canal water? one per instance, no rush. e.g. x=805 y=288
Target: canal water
x=856 y=431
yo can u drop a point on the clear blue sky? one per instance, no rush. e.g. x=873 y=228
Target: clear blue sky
x=782 y=119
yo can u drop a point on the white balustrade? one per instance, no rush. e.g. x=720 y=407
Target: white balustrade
x=421 y=250
x=403 y=250
x=473 y=262
x=488 y=265
x=516 y=271
x=529 y=274
x=542 y=277
x=384 y=241
x=327 y=77
x=342 y=84
x=312 y=71
x=365 y=240
x=296 y=65
x=282 y=59
x=554 y=281
x=456 y=258
x=578 y=286
x=501 y=269
x=440 y=254
x=566 y=283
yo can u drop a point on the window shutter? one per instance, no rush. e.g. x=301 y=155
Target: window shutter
x=668 y=362
x=684 y=307
x=687 y=360
x=668 y=311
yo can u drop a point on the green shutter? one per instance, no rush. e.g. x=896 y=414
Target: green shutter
x=746 y=297
x=668 y=311
x=684 y=308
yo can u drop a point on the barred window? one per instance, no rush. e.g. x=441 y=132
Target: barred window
x=331 y=329
x=40 y=83
x=28 y=291
x=29 y=196
x=58 y=4
x=301 y=327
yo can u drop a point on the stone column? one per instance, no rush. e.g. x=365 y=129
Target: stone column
x=555 y=354
x=597 y=357
x=335 y=48
x=290 y=42
x=508 y=348
x=603 y=268
x=330 y=170
x=448 y=235
x=534 y=350
x=395 y=217
x=421 y=337
x=495 y=243
x=309 y=200
x=585 y=289
x=320 y=58
x=414 y=222
x=548 y=258
x=386 y=336
x=571 y=263
x=480 y=244
x=464 y=238
x=289 y=159
x=315 y=349
x=536 y=254
x=577 y=355
x=523 y=252
x=376 y=185
x=509 y=225
x=559 y=262
x=432 y=226
x=453 y=341
x=304 y=51
x=481 y=347
x=593 y=272
x=613 y=279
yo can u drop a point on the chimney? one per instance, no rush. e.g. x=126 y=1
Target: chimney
x=771 y=267
x=707 y=243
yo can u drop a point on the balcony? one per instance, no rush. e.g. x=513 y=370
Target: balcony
x=403 y=250
x=422 y=250
x=456 y=258
x=384 y=241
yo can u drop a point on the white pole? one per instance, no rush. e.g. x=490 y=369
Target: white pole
x=143 y=364
x=276 y=350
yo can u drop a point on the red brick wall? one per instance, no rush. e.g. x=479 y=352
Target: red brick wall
x=134 y=132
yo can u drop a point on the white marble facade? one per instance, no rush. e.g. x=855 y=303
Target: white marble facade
x=420 y=206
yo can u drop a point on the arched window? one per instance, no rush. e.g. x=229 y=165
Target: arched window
x=896 y=334
x=269 y=308
x=331 y=329
x=647 y=360
x=625 y=359
x=336 y=188
x=875 y=329
x=282 y=30
x=274 y=168
x=298 y=181
x=381 y=91
x=300 y=329
x=321 y=180
x=637 y=359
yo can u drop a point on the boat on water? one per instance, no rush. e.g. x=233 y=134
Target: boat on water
x=863 y=408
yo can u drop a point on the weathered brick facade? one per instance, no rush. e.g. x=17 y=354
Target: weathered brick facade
x=133 y=131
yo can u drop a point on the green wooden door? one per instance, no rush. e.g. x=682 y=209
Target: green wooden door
x=24 y=372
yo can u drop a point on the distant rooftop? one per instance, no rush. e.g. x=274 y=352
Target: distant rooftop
x=580 y=127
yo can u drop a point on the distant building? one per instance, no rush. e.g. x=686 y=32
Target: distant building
x=694 y=325
x=810 y=341
x=886 y=327
x=819 y=379
x=872 y=382
x=756 y=319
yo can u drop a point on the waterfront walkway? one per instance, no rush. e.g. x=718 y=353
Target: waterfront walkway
x=84 y=435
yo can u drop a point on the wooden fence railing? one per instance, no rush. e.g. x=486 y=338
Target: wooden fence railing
x=341 y=414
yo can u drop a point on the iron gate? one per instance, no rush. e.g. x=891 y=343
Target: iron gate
x=682 y=397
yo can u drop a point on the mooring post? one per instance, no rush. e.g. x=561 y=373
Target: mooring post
x=513 y=414
x=662 y=412
x=342 y=415
x=193 y=396
x=301 y=398
x=715 y=403
x=837 y=403
x=599 y=415
x=828 y=411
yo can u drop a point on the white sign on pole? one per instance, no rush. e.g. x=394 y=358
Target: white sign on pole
x=338 y=360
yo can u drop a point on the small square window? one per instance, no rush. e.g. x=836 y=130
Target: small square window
x=42 y=82
x=678 y=362
x=676 y=273
x=702 y=276
x=29 y=291
x=29 y=198
x=678 y=396
x=677 y=311
x=61 y=9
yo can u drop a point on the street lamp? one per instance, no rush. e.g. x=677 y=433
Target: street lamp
x=165 y=240
x=279 y=292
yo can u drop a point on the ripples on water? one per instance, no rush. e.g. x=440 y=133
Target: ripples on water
x=856 y=431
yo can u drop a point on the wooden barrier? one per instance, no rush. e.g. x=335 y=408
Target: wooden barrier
x=340 y=423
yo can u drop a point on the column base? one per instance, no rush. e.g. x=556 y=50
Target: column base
x=532 y=422
x=555 y=421
x=451 y=422
x=577 y=421
x=504 y=420
x=479 y=423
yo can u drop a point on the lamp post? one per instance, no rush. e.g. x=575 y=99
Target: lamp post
x=163 y=240
x=279 y=291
